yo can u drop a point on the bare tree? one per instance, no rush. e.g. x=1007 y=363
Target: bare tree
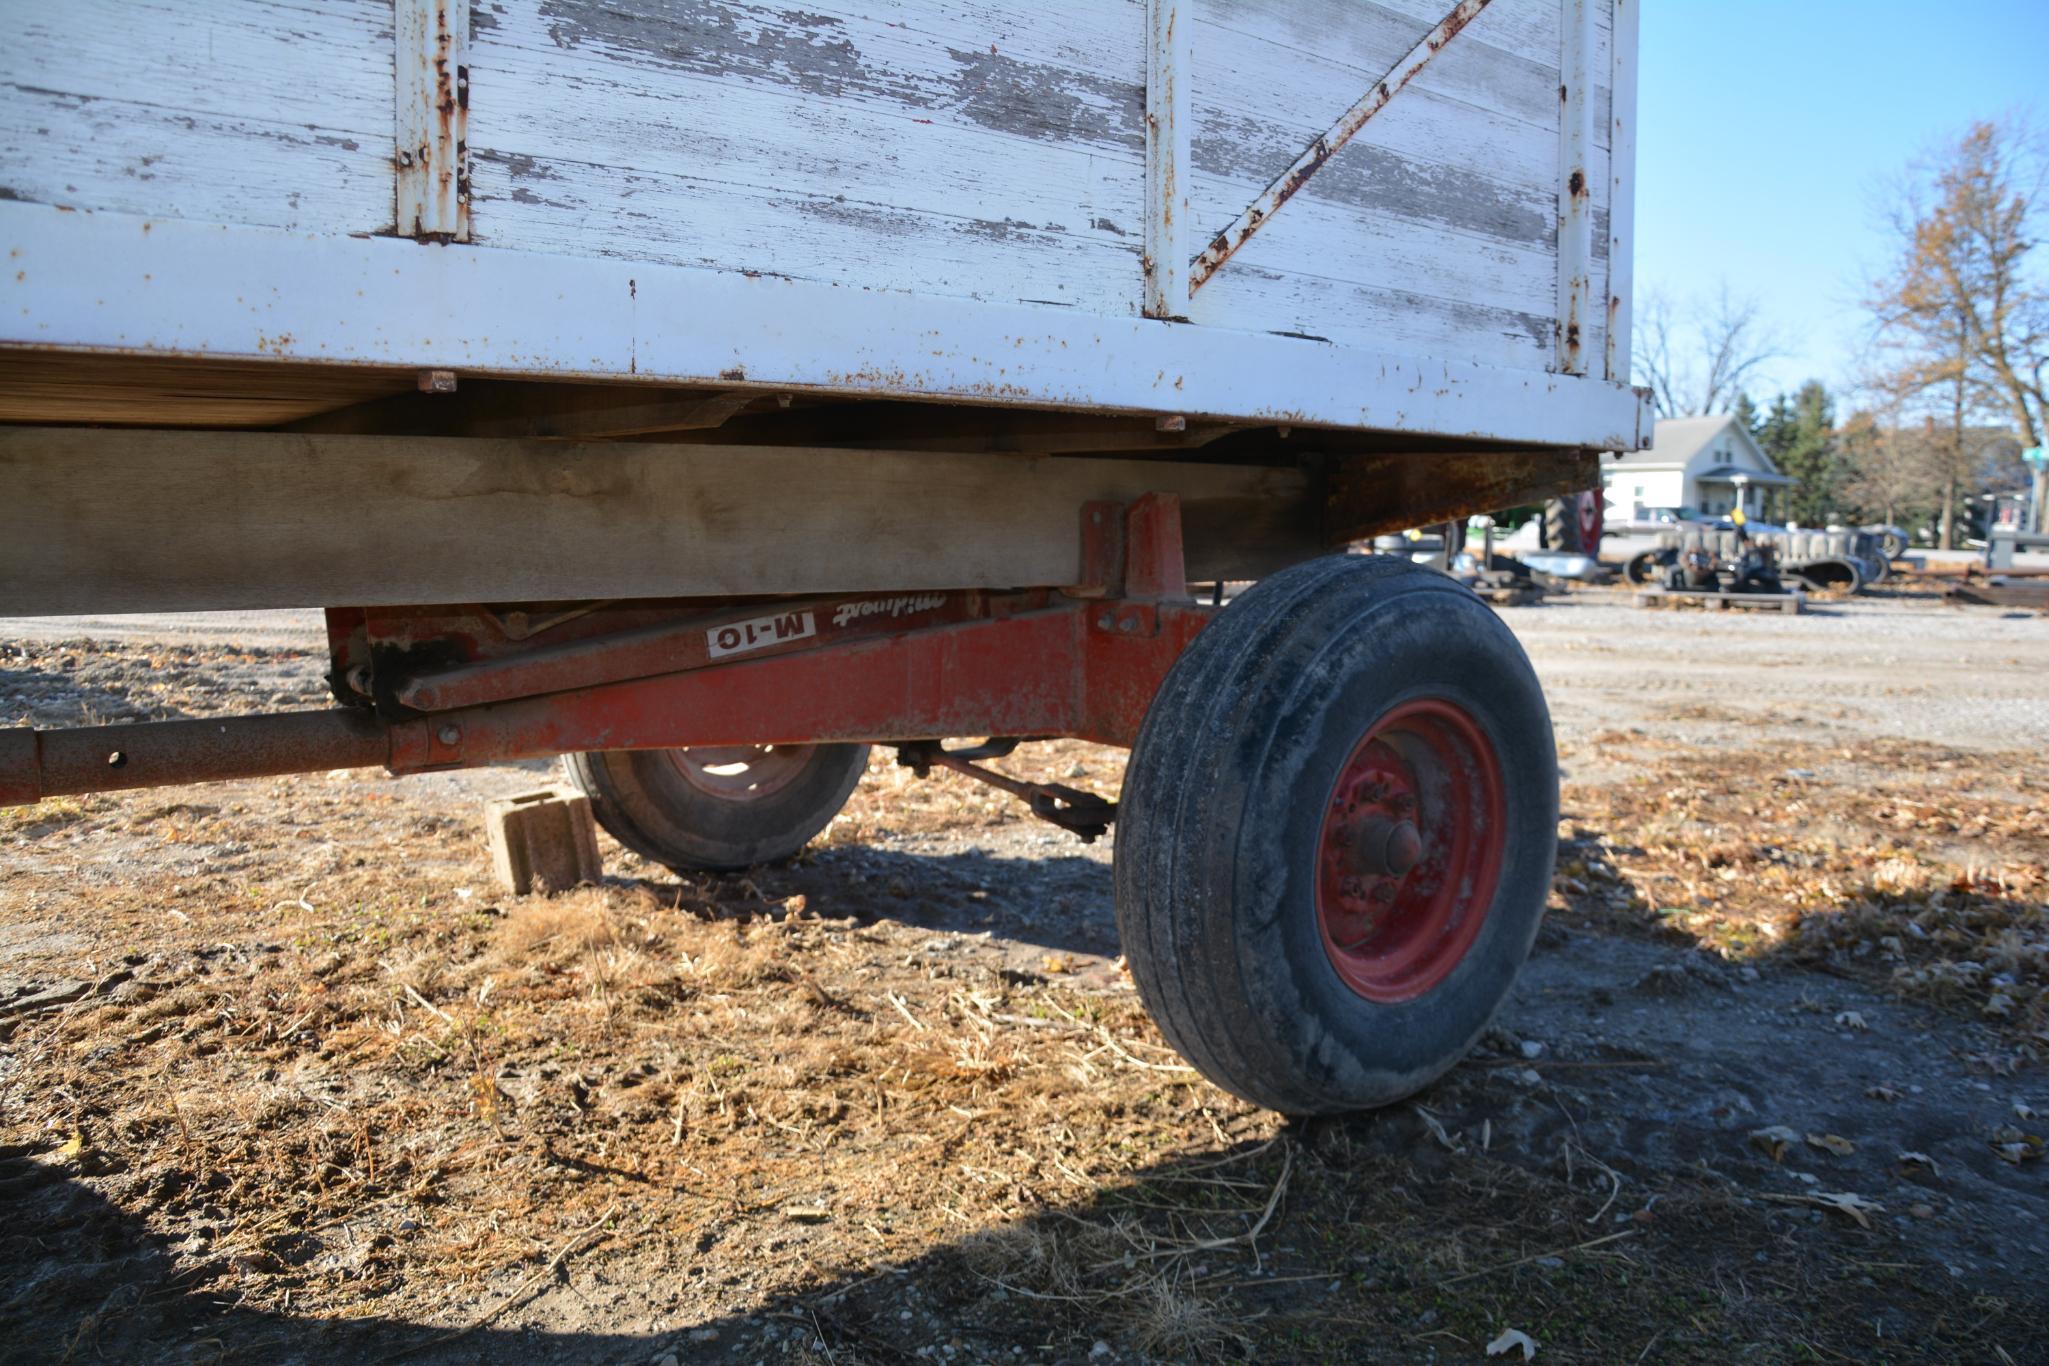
x=1699 y=358
x=1962 y=316
x=1888 y=476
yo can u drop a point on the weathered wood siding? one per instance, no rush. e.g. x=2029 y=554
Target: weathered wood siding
x=1435 y=229
x=982 y=149
x=271 y=112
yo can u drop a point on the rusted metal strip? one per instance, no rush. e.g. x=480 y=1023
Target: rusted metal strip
x=55 y=763
x=1622 y=191
x=1168 y=125
x=1226 y=243
x=1575 y=186
x=431 y=158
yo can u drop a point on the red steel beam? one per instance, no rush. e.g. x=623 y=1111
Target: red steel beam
x=1062 y=671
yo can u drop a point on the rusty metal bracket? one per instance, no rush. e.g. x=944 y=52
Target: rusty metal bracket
x=1083 y=813
x=1226 y=243
x=430 y=155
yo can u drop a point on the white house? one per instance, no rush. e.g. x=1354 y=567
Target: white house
x=1706 y=465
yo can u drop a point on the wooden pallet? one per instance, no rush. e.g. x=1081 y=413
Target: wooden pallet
x=2035 y=595
x=1793 y=600
x=1509 y=595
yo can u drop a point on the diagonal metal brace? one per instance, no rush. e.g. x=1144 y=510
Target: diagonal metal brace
x=1226 y=243
x=1084 y=813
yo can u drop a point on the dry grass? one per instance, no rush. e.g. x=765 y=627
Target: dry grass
x=1881 y=862
x=339 y=1084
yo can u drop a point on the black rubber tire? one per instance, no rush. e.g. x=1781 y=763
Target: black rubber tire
x=1561 y=530
x=648 y=806
x=1222 y=810
x=1644 y=567
x=1830 y=575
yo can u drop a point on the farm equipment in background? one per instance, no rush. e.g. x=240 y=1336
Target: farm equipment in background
x=1835 y=560
x=1732 y=569
x=1503 y=580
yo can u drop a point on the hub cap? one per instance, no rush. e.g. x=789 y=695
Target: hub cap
x=740 y=773
x=1411 y=851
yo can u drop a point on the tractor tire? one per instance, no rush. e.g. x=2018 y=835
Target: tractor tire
x=1336 y=835
x=716 y=809
x=1574 y=524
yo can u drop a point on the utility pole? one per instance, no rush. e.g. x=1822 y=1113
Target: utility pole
x=2038 y=515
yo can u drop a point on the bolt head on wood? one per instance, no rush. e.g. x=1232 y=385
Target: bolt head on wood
x=543 y=841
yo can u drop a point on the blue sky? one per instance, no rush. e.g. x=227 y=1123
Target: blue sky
x=1768 y=127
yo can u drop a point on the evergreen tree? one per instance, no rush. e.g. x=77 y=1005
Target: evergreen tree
x=1810 y=459
x=1746 y=413
x=1798 y=433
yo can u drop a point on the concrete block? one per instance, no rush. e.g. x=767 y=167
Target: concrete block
x=543 y=841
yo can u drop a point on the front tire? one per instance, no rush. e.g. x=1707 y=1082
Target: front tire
x=1336 y=835
x=716 y=809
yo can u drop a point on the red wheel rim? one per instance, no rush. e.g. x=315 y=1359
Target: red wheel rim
x=1591 y=516
x=741 y=773
x=1411 y=851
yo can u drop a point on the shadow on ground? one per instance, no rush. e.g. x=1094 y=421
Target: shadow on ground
x=1358 y=1240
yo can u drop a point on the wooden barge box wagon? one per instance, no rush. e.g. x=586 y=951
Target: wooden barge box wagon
x=706 y=391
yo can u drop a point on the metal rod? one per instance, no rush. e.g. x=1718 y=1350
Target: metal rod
x=1312 y=160
x=54 y=763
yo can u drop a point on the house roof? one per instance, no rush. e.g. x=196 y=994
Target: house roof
x=1681 y=439
x=1725 y=474
x=1676 y=441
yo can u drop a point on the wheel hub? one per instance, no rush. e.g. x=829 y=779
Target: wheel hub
x=1411 y=850
x=1383 y=848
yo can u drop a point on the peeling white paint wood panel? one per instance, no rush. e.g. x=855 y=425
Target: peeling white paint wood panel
x=784 y=124
x=754 y=171
x=245 y=111
x=1260 y=100
x=1371 y=317
x=1338 y=242
x=1386 y=249
x=945 y=153
x=647 y=217
x=1434 y=160
x=109 y=282
x=126 y=157
x=1504 y=62
x=325 y=63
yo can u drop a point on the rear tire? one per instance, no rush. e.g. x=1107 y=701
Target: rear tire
x=718 y=809
x=1262 y=816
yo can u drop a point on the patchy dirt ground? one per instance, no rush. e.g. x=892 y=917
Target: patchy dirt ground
x=283 y=1079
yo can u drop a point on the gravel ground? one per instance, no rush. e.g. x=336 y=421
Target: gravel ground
x=1722 y=1115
